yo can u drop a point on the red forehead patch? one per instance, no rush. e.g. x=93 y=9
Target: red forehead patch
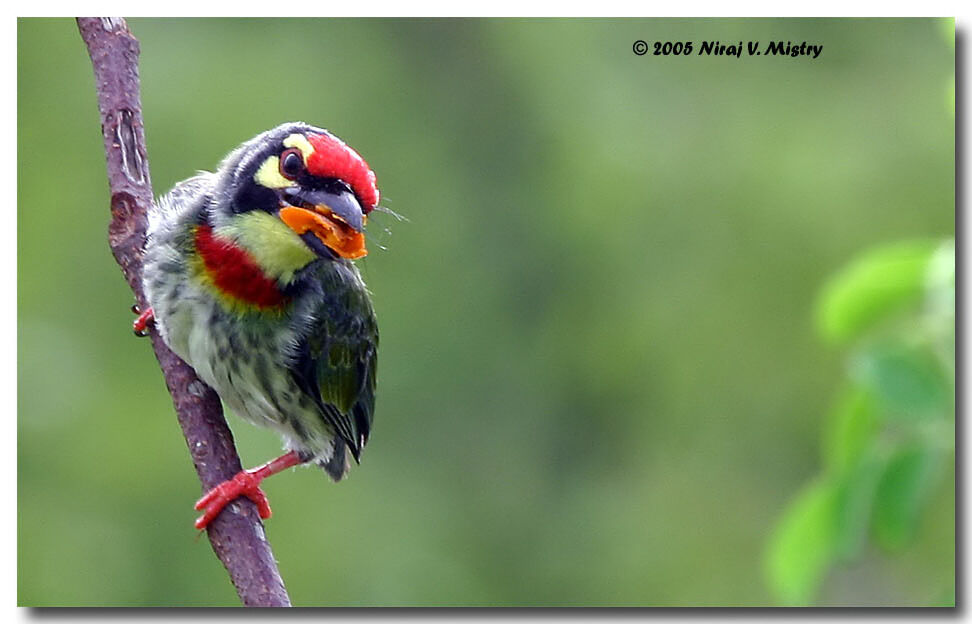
x=332 y=158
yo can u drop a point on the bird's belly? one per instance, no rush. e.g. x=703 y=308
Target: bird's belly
x=254 y=383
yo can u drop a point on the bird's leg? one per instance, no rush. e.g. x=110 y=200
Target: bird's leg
x=245 y=483
x=140 y=326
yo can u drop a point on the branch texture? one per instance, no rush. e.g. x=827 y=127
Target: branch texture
x=237 y=534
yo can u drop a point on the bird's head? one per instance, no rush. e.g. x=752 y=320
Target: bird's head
x=295 y=180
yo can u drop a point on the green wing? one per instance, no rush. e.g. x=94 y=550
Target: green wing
x=338 y=356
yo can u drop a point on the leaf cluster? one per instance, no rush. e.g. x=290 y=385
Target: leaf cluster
x=888 y=439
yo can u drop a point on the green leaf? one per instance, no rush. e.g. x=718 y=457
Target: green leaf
x=872 y=288
x=850 y=425
x=941 y=271
x=904 y=487
x=856 y=493
x=908 y=380
x=801 y=547
x=940 y=297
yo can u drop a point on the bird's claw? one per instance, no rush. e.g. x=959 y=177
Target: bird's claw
x=243 y=484
x=140 y=326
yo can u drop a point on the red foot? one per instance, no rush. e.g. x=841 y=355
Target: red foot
x=245 y=483
x=140 y=326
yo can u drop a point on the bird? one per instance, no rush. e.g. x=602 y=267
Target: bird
x=249 y=277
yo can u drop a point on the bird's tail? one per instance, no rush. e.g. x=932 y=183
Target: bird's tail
x=339 y=464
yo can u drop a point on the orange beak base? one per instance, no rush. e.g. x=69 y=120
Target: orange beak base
x=337 y=235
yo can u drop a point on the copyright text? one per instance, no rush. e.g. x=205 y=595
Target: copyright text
x=737 y=49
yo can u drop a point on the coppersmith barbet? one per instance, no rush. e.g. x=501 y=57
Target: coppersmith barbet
x=249 y=275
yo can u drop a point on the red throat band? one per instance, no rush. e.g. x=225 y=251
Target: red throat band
x=234 y=272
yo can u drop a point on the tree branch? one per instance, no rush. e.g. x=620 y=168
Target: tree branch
x=237 y=534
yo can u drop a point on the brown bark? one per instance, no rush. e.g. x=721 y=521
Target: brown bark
x=237 y=534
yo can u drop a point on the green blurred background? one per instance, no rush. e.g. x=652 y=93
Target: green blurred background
x=600 y=383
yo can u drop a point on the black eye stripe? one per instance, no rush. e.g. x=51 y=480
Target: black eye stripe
x=291 y=163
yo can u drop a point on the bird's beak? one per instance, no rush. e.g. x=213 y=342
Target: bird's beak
x=335 y=219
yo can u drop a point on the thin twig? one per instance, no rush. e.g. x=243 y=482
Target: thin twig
x=237 y=534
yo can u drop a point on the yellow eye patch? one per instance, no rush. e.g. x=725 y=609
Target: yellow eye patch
x=268 y=174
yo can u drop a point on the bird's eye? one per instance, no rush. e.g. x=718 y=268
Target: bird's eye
x=291 y=164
